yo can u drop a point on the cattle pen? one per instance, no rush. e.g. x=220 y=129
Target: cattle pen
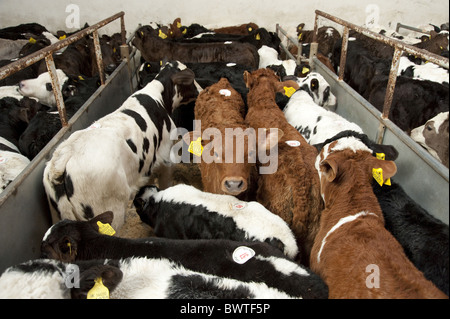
x=24 y=211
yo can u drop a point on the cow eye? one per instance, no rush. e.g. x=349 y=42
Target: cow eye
x=48 y=86
x=429 y=128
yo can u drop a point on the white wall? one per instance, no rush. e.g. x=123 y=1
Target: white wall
x=213 y=13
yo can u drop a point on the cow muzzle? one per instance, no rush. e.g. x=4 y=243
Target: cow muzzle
x=234 y=185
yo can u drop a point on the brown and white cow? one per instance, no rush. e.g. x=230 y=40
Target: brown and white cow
x=353 y=252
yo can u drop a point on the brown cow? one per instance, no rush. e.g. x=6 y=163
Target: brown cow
x=243 y=29
x=291 y=191
x=154 y=48
x=224 y=165
x=353 y=252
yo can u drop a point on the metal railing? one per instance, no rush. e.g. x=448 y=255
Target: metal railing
x=404 y=26
x=300 y=58
x=47 y=54
x=399 y=49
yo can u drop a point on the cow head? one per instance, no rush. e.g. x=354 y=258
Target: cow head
x=433 y=136
x=179 y=84
x=41 y=87
x=319 y=89
x=62 y=240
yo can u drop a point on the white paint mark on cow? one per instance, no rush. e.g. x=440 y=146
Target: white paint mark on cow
x=225 y=92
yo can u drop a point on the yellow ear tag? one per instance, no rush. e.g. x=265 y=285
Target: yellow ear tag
x=162 y=35
x=99 y=291
x=70 y=248
x=196 y=147
x=160 y=63
x=305 y=70
x=32 y=40
x=258 y=37
x=105 y=229
x=178 y=25
x=184 y=31
x=288 y=91
x=81 y=78
x=62 y=37
x=114 y=50
x=377 y=173
x=142 y=33
x=250 y=29
x=300 y=36
x=382 y=156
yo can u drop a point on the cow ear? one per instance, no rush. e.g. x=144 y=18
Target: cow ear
x=329 y=169
x=389 y=167
x=184 y=77
x=111 y=276
x=105 y=218
x=248 y=79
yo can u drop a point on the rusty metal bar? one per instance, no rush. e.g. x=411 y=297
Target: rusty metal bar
x=404 y=26
x=56 y=89
x=391 y=82
x=41 y=54
x=99 y=58
x=344 y=48
x=424 y=54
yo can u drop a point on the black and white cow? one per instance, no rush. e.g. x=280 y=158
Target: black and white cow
x=427 y=71
x=258 y=262
x=433 y=136
x=101 y=168
x=41 y=87
x=424 y=238
x=157 y=278
x=318 y=88
x=185 y=212
x=320 y=126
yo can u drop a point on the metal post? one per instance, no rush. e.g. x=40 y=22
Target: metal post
x=56 y=89
x=343 y=54
x=391 y=82
x=98 y=56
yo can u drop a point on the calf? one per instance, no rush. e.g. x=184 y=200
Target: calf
x=158 y=278
x=184 y=212
x=268 y=57
x=242 y=29
x=424 y=238
x=226 y=163
x=41 y=87
x=319 y=126
x=326 y=38
x=427 y=71
x=122 y=149
x=353 y=245
x=414 y=101
x=291 y=191
x=71 y=241
x=153 y=48
x=46 y=123
x=433 y=136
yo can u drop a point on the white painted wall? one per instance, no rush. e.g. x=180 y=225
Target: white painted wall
x=213 y=13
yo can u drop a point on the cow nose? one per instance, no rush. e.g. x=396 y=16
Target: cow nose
x=234 y=186
x=110 y=68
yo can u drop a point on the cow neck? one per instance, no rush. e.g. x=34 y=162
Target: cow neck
x=262 y=96
x=104 y=246
x=160 y=92
x=348 y=133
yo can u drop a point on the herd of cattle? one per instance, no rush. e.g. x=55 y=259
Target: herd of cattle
x=298 y=203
